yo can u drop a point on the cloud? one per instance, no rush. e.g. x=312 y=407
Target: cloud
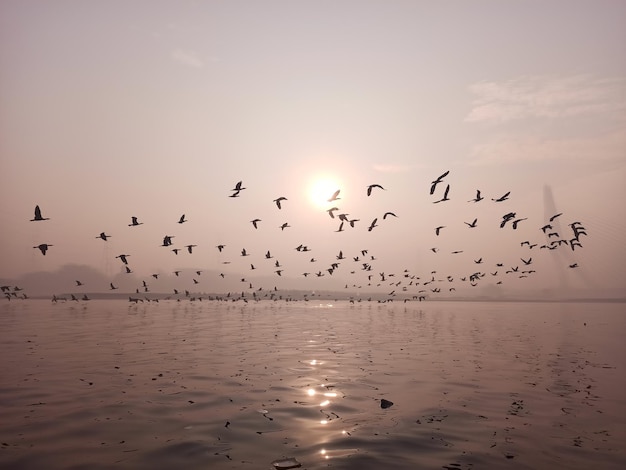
x=188 y=58
x=546 y=97
x=604 y=147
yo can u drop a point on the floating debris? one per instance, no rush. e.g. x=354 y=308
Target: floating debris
x=283 y=464
x=385 y=403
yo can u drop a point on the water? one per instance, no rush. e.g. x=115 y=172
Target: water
x=219 y=385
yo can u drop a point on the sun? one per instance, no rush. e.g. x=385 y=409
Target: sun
x=321 y=190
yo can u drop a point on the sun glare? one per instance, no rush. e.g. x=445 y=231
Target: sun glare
x=321 y=190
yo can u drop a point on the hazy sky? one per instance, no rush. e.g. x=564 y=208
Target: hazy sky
x=154 y=109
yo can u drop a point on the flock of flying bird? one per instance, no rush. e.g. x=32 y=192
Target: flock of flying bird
x=405 y=284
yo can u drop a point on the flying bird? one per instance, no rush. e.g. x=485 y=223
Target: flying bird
x=478 y=197
x=372 y=186
x=555 y=216
x=372 y=225
x=134 y=222
x=335 y=196
x=190 y=248
x=517 y=221
x=123 y=258
x=255 y=222
x=103 y=236
x=331 y=211
x=445 y=195
x=38 y=216
x=182 y=219
x=502 y=198
x=279 y=200
x=438 y=229
x=43 y=247
x=437 y=181
x=471 y=225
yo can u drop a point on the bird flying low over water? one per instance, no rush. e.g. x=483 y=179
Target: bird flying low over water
x=134 y=222
x=38 y=216
x=279 y=200
x=437 y=181
x=43 y=247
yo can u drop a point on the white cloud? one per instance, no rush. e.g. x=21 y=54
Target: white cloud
x=546 y=97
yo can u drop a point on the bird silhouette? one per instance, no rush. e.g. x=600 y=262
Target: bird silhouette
x=438 y=229
x=471 y=225
x=43 y=247
x=517 y=221
x=103 y=236
x=134 y=222
x=238 y=187
x=284 y=226
x=182 y=219
x=445 y=195
x=437 y=181
x=372 y=225
x=331 y=211
x=478 y=197
x=255 y=222
x=220 y=247
x=555 y=216
x=38 y=216
x=502 y=198
x=123 y=258
x=190 y=248
x=372 y=186
x=389 y=214
x=279 y=200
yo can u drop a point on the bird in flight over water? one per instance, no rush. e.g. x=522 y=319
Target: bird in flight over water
x=38 y=216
